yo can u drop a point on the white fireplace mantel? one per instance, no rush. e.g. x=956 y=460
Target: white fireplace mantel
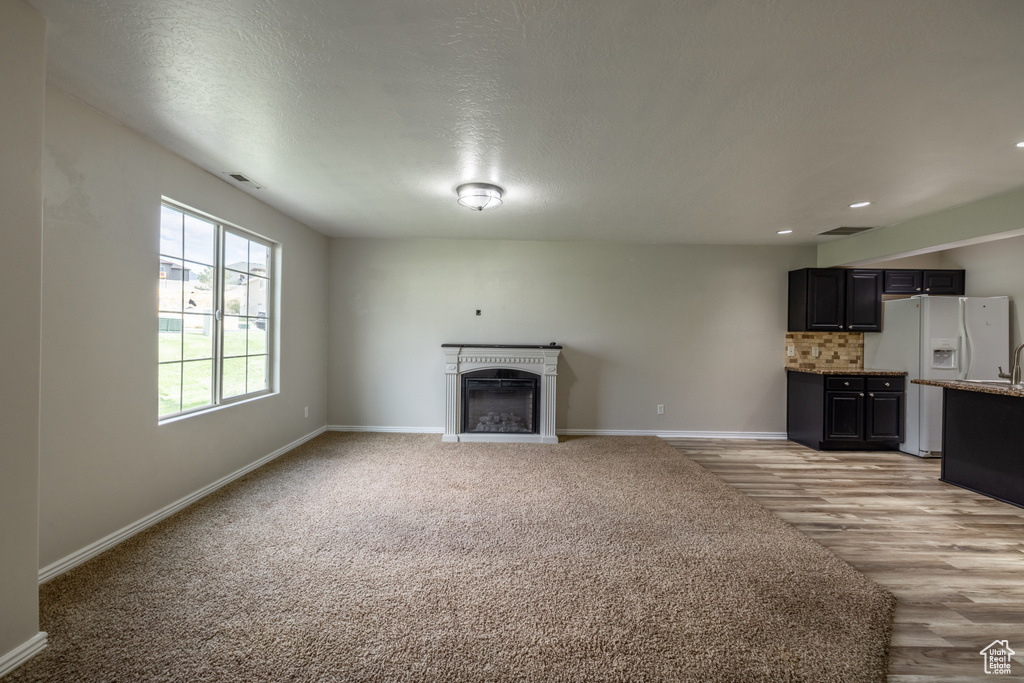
x=539 y=360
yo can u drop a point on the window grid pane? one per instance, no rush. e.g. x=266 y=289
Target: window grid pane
x=194 y=347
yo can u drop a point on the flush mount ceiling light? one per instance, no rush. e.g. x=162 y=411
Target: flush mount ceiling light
x=479 y=196
x=858 y=205
x=1020 y=144
x=784 y=232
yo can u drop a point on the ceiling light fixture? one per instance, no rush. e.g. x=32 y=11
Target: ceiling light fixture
x=857 y=205
x=784 y=232
x=479 y=196
x=1020 y=144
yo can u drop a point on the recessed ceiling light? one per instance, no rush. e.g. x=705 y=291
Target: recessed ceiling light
x=857 y=205
x=784 y=232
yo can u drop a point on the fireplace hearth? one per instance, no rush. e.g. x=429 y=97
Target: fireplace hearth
x=500 y=392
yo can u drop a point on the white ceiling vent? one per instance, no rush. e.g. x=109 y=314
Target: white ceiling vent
x=845 y=231
x=243 y=179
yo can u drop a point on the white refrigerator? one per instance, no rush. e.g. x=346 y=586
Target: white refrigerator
x=938 y=337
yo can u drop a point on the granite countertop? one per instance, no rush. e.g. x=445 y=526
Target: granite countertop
x=848 y=371
x=1001 y=390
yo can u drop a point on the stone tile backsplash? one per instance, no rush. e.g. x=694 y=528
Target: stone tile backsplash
x=835 y=350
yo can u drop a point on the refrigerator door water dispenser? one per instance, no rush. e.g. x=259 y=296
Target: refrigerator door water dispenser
x=944 y=354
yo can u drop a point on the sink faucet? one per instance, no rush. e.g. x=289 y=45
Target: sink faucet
x=1015 y=373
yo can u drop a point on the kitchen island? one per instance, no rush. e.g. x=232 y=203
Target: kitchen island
x=983 y=438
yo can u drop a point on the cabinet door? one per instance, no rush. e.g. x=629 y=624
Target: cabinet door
x=884 y=420
x=901 y=282
x=844 y=416
x=826 y=288
x=943 y=282
x=863 y=301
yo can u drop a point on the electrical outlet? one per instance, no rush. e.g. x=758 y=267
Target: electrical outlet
x=661 y=409
x=307 y=411
x=790 y=350
x=814 y=351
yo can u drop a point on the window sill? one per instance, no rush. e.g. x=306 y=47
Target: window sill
x=213 y=409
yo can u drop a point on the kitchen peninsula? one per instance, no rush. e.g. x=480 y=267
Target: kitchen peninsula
x=983 y=438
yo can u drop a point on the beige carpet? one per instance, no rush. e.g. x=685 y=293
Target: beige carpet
x=368 y=557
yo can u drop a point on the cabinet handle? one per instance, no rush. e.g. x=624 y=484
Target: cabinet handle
x=871 y=395
x=886 y=384
x=919 y=289
x=927 y=289
x=846 y=384
x=840 y=327
x=862 y=393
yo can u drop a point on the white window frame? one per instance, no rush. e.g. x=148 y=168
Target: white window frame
x=222 y=228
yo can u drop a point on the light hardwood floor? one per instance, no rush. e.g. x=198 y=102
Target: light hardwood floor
x=954 y=559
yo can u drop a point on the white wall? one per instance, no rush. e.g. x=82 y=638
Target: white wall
x=695 y=328
x=22 y=77
x=105 y=463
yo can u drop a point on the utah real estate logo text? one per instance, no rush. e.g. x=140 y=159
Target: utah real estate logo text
x=997 y=657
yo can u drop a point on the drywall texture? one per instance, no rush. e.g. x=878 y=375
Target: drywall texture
x=22 y=79
x=693 y=328
x=994 y=269
x=105 y=463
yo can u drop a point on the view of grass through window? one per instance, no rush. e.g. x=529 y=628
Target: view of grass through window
x=214 y=294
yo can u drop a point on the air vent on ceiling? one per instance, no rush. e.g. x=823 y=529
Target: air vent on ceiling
x=243 y=179
x=844 y=231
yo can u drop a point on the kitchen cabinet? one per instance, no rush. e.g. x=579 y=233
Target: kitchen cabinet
x=897 y=281
x=943 y=282
x=835 y=299
x=851 y=412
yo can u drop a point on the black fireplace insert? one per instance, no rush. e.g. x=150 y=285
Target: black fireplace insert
x=500 y=400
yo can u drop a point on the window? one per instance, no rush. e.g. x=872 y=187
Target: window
x=215 y=288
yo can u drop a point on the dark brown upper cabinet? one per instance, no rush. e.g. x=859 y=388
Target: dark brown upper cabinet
x=902 y=281
x=835 y=299
x=943 y=282
x=923 y=282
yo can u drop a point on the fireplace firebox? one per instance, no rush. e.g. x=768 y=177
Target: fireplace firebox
x=500 y=401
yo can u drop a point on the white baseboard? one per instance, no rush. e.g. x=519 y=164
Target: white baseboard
x=21 y=654
x=580 y=432
x=673 y=435
x=387 y=430
x=93 y=549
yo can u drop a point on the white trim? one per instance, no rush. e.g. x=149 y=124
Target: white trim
x=21 y=654
x=93 y=549
x=674 y=435
x=387 y=430
x=580 y=432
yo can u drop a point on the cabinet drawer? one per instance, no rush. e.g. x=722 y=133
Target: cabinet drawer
x=885 y=383
x=844 y=383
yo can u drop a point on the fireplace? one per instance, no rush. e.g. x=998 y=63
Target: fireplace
x=500 y=401
x=500 y=392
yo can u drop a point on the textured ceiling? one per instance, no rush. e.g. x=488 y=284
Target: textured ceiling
x=648 y=120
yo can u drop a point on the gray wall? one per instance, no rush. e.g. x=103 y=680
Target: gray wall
x=105 y=463
x=23 y=56
x=696 y=328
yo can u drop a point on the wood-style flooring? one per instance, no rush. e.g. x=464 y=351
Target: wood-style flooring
x=953 y=558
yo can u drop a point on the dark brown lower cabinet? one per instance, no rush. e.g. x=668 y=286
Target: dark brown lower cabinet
x=845 y=412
